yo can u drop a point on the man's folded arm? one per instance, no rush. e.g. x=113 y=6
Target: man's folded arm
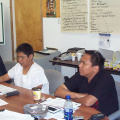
x=84 y=99
x=88 y=100
x=4 y=78
x=62 y=91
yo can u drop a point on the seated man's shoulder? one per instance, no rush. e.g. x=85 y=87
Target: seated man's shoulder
x=106 y=77
x=77 y=76
x=105 y=73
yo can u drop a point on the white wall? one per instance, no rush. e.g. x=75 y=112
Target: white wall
x=6 y=50
x=53 y=37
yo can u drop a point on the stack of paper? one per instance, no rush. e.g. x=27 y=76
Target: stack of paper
x=46 y=51
x=58 y=103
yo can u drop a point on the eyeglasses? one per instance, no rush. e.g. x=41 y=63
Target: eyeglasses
x=83 y=62
x=20 y=57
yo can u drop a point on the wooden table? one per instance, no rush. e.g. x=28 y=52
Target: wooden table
x=16 y=103
x=75 y=64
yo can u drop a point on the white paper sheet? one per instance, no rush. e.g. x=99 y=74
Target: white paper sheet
x=6 y=114
x=2 y=102
x=58 y=103
x=4 y=89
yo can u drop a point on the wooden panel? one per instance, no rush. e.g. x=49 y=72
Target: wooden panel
x=57 y=8
x=29 y=28
x=12 y=34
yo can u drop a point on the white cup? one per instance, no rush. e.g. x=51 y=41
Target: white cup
x=73 y=58
x=78 y=56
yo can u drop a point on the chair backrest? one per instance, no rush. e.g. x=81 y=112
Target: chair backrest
x=117 y=84
x=55 y=79
x=9 y=64
x=116 y=115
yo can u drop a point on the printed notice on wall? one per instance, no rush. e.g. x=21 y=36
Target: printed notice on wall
x=104 y=16
x=104 y=40
x=74 y=16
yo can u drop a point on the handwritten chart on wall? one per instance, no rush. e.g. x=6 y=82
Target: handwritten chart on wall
x=104 y=16
x=1 y=25
x=74 y=16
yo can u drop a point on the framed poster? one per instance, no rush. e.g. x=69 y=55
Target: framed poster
x=2 y=41
x=51 y=8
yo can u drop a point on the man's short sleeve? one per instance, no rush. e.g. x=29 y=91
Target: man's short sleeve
x=104 y=86
x=74 y=83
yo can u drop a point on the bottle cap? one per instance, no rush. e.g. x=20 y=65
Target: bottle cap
x=68 y=97
x=36 y=89
x=36 y=117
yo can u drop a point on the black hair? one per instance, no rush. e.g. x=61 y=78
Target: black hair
x=96 y=58
x=26 y=49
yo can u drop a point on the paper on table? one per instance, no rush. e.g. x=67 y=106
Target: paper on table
x=2 y=102
x=58 y=103
x=4 y=89
x=6 y=114
x=48 y=51
x=58 y=115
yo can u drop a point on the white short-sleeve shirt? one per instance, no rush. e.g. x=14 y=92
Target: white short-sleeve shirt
x=33 y=78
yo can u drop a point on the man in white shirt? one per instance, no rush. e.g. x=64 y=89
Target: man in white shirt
x=26 y=73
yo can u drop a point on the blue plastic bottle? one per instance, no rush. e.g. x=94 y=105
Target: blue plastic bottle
x=68 y=109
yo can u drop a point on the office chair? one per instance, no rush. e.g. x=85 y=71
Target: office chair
x=116 y=115
x=55 y=79
x=8 y=66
